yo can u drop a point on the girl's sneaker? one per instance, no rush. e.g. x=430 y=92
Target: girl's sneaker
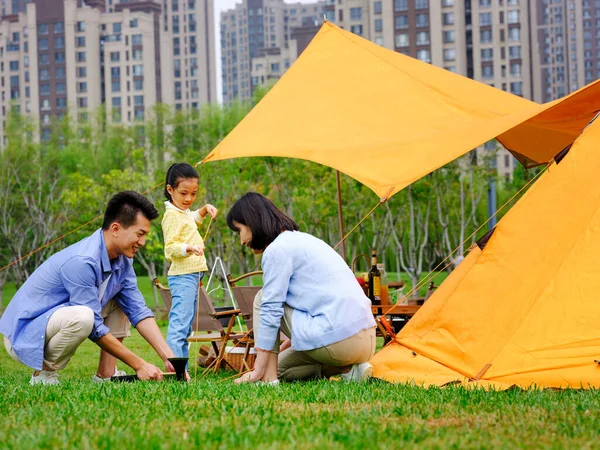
x=118 y=373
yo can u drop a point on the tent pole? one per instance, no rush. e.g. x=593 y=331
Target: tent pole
x=341 y=218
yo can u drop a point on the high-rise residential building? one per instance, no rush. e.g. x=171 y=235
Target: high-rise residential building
x=74 y=56
x=256 y=42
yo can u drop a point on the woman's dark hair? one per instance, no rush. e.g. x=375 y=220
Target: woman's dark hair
x=264 y=219
x=176 y=173
x=124 y=208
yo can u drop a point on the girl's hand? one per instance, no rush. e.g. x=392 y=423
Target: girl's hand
x=208 y=209
x=197 y=250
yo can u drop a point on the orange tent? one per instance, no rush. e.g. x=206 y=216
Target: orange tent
x=524 y=310
x=387 y=119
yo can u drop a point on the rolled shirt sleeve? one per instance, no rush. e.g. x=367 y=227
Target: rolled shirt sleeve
x=79 y=279
x=131 y=300
x=174 y=247
x=278 y=269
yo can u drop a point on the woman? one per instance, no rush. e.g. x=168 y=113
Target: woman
x=310 y=293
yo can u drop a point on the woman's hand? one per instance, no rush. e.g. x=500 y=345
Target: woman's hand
x=260 y=366
x=208 y=209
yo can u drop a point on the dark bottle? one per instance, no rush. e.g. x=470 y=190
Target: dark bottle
x=374 y=281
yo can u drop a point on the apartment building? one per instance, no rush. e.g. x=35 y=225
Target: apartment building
x=256 y=42
x=77 y=56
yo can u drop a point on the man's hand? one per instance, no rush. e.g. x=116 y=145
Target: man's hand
x=149 y=372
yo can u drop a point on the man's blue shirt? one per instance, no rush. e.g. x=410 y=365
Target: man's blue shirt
x=70 y=277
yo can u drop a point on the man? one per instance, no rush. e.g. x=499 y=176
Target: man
x=87 y=290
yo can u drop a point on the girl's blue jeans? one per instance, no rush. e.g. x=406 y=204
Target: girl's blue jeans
x=184 y=293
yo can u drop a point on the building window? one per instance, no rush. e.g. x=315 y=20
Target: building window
x=514 y=52
x=138 y=70
x=59 y=57
x=379 y=41
x=422 y=38
x=82 y=72
x=138 y=85
x=44 y=59
x=82 y=102
x=60 y=73
x=133 y=23
x=485 y=3
x=61 y=102
x=44 y=75
x=138 y=100
x=422 y=20
x=115 y=72
x=356 y=29
x=449 y=36
x=487 y=71
x=115 y=56
x=513 y=16
x=45 y=104
x=400 y=5
x=44 y=89
x=80 y=26
x=487 y=54
x=421 y=4
x=450 y=54
x=516 y=88
x=59 y=27
x=116 y=102
x=61 y=88
x=80 y=56
x=59 y=42
x=446 y=3
x=424 y=55
x=136 y=39
x=116 y=27
x=377 y=7
x=139 y=114
x=115 y=86
x=515 y=69
x=355 y=13
x=485 y=36
x=43 y=44
x=448 y=18
x=378 y=25
x=82 y=87
x=401 y=22
x=14 y=66
x=137 y=54
x=402 y=40
x=514 y=34
x=485 y=19
x=80 y=41
x=43 y=28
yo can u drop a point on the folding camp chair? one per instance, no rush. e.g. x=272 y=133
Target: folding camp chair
x=165 y=294
x=244 y=296
x=207 y=320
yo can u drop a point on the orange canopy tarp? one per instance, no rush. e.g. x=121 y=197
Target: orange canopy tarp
x=381 y=117
x=525 y=309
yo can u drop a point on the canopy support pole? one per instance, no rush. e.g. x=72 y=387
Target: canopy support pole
x=340 y=215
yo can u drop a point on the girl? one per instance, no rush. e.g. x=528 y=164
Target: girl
x=184 y=248
x=310 y=293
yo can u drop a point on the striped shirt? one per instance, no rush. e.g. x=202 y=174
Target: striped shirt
x=180 y=229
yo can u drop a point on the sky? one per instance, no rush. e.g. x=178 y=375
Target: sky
x=224 y=5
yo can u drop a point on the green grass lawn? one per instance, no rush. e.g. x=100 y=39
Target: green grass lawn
x=215 y=413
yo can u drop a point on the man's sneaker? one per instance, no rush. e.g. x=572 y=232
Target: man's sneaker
x=358 y=372
x=98 y=379
x=46 y=377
